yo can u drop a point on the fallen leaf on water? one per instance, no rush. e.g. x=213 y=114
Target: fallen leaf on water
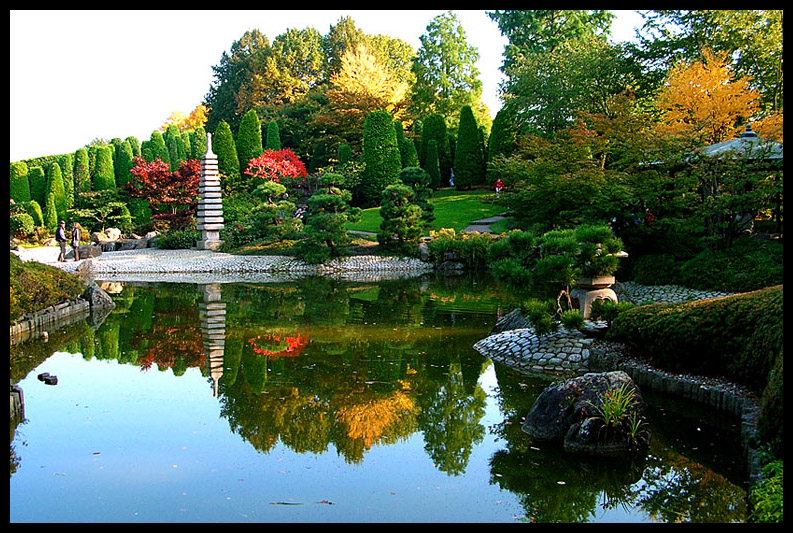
x=326 y=501
x=561 y=483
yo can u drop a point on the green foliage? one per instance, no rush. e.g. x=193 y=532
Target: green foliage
x=540 y=314
x=344 y=153
x=198 y=143
x=407 y=150
x=35 y=286
x=400 y=229
x=419 y=180
x=766 y=496
x=124 y=163
x=66 y=162
x=51 y=215
x=503 y=137
x=324 y=231
x=469 y=248
x=99 y=209
x=20 y=186
x=178 y=239
x=104 y=176
x=431 y=164
x=613 y=406
x=33 y=209
x=228 y=163
x=249 y=138
x=380 y=156
x=158 y=148
x=175 y=145
x=434 y=128
x=468 y=157
x=82 y=176
x=273 y=139
x=605 y=309
x=38 y=185
x=738 y=337
x=56 y=189
x=21 y=225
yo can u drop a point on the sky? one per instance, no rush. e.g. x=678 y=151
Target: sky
x=79 y=75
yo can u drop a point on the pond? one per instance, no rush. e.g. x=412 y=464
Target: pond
x=321 y=400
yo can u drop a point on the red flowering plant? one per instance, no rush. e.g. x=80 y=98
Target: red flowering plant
x=277 y=345
x=280 y=166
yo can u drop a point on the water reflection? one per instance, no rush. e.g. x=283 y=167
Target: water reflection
x=323 y=365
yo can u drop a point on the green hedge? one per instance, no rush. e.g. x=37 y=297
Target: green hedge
x=738 y=337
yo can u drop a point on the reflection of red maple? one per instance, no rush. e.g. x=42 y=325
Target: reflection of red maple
x=167 y=343
x=294 y=345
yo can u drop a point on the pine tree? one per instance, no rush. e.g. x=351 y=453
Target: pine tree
x=380 y=156
x=223 y=146
x=418 y=179
x=56 y=189
x=434 y=128
x=20 y=186
x=468 y=166
x=82 y=177
x=400 y=229
x=38 y=185
x=503 y=136
x=249 y=139
x=273 y=136
x=104 y=176
x=344 y=153
x=431 y=165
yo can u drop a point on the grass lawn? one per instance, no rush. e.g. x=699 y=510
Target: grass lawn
x=453 y=209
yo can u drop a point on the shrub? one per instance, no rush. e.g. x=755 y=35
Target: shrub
x=228 y=163
x=38 y=185
x=419 y=180
x=20 y=186
x=767 y=496
x=249 y=138
x=380 y=156
x=21 y=225
x=400 y=229
x=33 y=209
x=178 y=239
x=468 y=157
x=35 y=286
x=56 y=189
x=104 y=177
x=470 y=248
x=605 y=309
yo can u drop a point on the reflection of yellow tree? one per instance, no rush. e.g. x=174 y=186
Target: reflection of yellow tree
x=369 y=419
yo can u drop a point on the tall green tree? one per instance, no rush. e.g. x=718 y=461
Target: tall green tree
x=249 y=138
x=380 y=156
x=228 y=163
x=38 y=185
x=198 y=143
x=82 y=176
x=273 y=139
x=20 y=186
x=446 y=77
x=124 y=163
x=51 y=214
x=104 y=175
x=245 y=56
x=56 y=189
x=503 y=136
x=66 y=162
x=431 y=164
x=468 y=156
x=158 y=147
x=134 y=143
x=434 y=128
x=418 y=179
x=175 y=146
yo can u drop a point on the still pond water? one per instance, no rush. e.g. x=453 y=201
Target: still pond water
x=326 y=401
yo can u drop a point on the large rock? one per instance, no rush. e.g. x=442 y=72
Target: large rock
x=571 y=412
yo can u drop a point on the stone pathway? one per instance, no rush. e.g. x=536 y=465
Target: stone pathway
x=483 y=225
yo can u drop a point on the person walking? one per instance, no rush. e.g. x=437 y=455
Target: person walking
x=60 y=236
x=76 y=234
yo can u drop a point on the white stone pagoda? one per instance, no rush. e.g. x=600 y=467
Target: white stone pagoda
x=209 y=216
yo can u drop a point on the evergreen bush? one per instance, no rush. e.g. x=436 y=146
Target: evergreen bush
x=380 y=156
x=38 y=185
x=418 y=179
x=434 y=128
x=104 y=176
x=56 y=189
x=249 y=138
x=228 y=162
x=21 y=225
x=20 y=186
x=51 y=215
x=400 y=229
x=33 y=209
x=273 y=139
x=468 y=158
x=158 y=147
x=431 y=164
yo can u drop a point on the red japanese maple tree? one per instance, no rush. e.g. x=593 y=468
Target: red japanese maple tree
x=276 y=165
x=172 y=196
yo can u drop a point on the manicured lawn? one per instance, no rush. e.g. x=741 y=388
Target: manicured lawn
x=453 y=209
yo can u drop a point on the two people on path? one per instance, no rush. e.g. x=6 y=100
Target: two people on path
x=60 y=236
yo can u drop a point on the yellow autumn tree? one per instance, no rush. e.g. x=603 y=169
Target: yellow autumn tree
x=702 y=102
x=197 y=117
x=362 y=84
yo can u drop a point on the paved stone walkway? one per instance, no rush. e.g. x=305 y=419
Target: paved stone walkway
x=483 y=225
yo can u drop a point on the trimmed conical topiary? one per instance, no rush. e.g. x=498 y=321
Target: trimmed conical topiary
x=20 y=186
x=104 y=177
x=249 y=139
x=380 y=156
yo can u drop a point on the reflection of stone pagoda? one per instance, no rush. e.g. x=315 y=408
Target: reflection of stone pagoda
x=209 y=219
x=213 y=331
